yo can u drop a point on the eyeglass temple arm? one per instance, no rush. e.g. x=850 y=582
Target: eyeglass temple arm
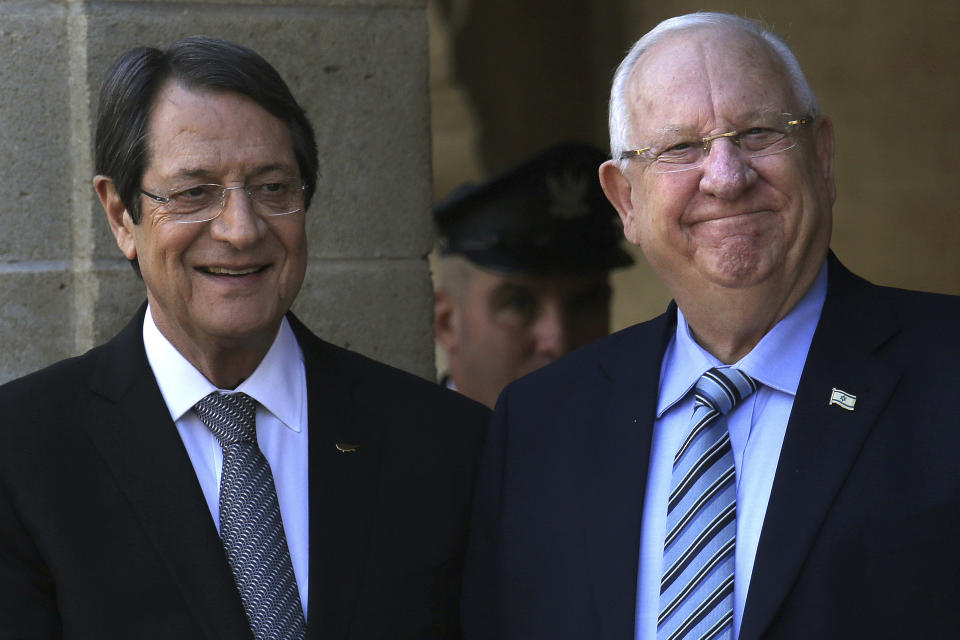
x=633 y=153
x=159 y=199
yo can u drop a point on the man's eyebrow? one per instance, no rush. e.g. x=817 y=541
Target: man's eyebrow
x=199 y=173
x=672 y=129
x=670 y=132
x=271 y=168
x=181 y=174
x=507 y=290
x=756 y=114
x=513 y=287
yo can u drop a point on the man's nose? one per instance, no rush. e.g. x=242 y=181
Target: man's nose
x=727 y=172
x=551 y=331
x=237 y=223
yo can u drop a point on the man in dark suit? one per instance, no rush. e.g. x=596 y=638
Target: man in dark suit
x=771 y=458
x=339 y=487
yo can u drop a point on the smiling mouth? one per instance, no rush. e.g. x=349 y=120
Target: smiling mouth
x=733 y=218
x=223 y=271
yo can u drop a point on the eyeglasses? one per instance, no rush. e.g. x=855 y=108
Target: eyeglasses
x=771 y=134
x=204 y=202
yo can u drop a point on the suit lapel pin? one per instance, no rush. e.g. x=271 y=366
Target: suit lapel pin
x=345 y=447
x=842 y=399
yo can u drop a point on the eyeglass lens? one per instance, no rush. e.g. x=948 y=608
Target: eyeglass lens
x=204 y=202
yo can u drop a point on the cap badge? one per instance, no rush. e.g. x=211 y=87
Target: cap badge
x=568 y=195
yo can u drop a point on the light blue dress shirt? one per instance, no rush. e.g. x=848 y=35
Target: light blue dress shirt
x=757 y=427
x=279 y=385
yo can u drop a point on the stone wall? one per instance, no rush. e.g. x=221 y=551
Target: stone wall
x=359 y=68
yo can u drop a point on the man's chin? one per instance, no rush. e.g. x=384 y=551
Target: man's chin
x=239 y=327
x=736 y=265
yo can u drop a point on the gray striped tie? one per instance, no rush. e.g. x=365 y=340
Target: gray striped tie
x=696 y=591
x=250 y=524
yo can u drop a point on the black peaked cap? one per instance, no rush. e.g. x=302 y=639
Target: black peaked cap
x=545 y=215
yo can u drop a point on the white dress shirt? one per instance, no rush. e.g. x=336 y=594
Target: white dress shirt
x=279 y=385
x=757 y=427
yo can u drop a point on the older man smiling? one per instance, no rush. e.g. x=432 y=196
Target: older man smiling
x=771 y=458
x=216 y=470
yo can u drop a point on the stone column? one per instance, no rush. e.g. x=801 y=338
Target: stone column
x=359 y=68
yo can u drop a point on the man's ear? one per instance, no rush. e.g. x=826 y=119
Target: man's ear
x=446 y=320
x=618 y=191
x=825 y=152
x=117 y=215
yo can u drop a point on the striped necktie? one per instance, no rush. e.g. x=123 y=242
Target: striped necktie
x=696 y=590
x=250 y=525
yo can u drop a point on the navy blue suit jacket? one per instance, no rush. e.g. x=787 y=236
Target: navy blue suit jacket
x=862 y=533
x=105 y=534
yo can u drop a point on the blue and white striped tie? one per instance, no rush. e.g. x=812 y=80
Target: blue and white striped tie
x=250 y=523
x=696 y=590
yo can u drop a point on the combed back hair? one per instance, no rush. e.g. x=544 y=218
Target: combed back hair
x=621 y=128
x=135 y=79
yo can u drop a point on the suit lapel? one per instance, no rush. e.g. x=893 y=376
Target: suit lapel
x=822 y=440
x=618 y=454
x=345 y=453
x=129 y=424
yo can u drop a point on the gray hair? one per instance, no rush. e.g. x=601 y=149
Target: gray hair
x=620 y=124
x=453 y=274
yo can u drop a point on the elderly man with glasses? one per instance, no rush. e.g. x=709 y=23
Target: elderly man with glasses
x=774 y=457
x=216 y=470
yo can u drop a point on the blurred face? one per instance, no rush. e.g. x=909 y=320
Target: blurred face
x=506 y=326
x=735 y=223
x=223 y=284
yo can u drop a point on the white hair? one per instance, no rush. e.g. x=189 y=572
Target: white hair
x=621 y=128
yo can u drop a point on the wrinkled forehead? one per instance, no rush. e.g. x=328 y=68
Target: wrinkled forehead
x=704 y=79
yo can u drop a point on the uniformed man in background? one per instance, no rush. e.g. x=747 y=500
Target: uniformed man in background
x=523 y=274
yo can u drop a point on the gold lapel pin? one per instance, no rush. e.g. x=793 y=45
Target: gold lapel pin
x=842 y=399
x=345 y=447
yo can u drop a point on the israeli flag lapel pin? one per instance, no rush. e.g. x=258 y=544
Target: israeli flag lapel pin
x=842 y=399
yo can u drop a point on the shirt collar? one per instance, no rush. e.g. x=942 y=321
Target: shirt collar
x=776 y=361
x=274 y=383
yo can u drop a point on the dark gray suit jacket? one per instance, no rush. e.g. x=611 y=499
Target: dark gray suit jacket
x=104 y=531
x=862 y=532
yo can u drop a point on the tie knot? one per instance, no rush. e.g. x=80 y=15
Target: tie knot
x=722 y=388
x=231 y=417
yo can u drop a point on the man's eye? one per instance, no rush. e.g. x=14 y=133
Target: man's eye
x=515 y=309
x=521 y=305
x=196 y=193
x=679 y=152
x=758 y=138
x=270 y=188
